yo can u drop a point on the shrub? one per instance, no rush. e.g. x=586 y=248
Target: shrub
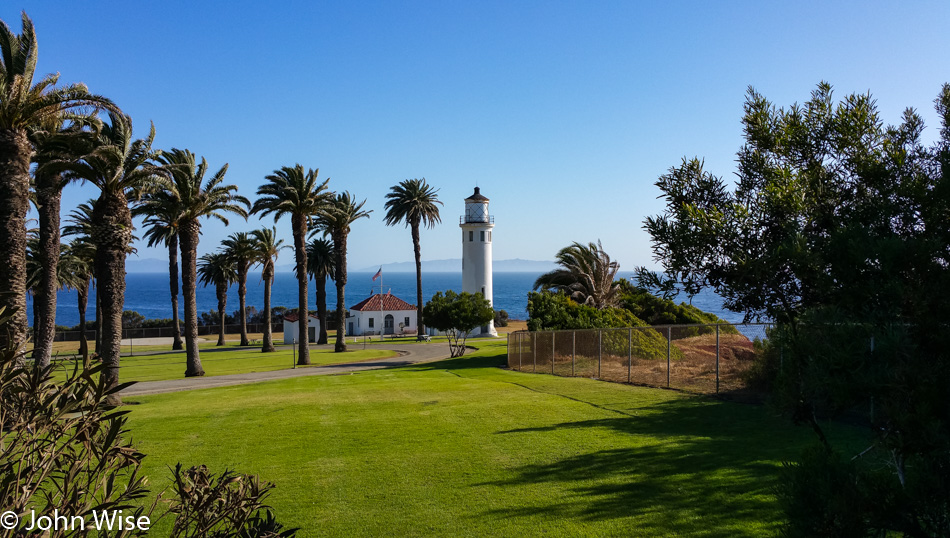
x=501 y=318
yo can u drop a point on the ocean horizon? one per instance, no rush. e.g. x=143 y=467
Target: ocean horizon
x=148 y=294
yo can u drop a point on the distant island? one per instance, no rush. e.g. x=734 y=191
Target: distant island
x=516 y=265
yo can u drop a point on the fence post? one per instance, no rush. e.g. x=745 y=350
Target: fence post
x=600 y=351
x=717 y=358
x=629 y=354
x=508 y=348
x=552 y=352
x=534 y=353
x=573 y=352
x=669 y=345
x=520 y=349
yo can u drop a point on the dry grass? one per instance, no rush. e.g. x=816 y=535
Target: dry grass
x=696 y=371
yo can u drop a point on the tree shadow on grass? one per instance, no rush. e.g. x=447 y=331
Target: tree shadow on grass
x=699 y=468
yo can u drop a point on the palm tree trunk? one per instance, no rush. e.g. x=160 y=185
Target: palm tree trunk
x=221 y=289
x=173 y=288
x=268 y=275
x=303 y=314
x=188 y=236
x=417 y=250
x=339 y=242
x=48 y=199
x=83 y=294
x=112 y=233
x=322 y=308
x=242 y=299
x=15 y=151
x=98 y=317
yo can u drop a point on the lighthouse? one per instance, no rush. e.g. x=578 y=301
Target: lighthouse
x=476 y=227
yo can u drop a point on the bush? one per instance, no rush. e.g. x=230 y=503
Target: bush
x=557 y=311
x=501 y=318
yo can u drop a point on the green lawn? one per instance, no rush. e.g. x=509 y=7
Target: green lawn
x=228 y=360
x=463 y=448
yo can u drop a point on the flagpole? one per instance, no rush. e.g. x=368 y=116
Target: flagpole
x=381 y=320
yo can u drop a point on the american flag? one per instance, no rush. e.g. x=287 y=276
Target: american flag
x=378 y=274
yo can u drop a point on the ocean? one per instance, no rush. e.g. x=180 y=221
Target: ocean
x=147 y=294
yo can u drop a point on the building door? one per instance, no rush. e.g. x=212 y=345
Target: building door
x=351 y=328
x=389 y=324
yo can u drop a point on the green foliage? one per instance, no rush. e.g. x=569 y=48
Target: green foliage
x=457 y=314
x=586 y=274
x=132 y=319
x=228 y=505
x=661 y=311
x=501 y=318
x=837 y=230
x=556 y=311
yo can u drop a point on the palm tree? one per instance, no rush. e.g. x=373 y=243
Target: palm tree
x=80 y=226
x=414 y=202
x=335 y=221
x=60 y=139
x=199 y=199
x=76 y=263
x=291 y=191
x=218 y=269
x=587 y=275
x=122 y=169
x=240 y=247
x=266 y=249
x=161 y=210
x=24 y=105
x=321 y=264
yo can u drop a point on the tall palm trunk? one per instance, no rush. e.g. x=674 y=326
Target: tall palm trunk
x=339 y=242
x=98 y=318
x=15 y=152
x=303 y=314
x=188 y=232
x=83 y=294
x=112 y=233
x=48 y=200
x=242 y=300
x=322 y=308
x=221 y=290
x=268 y=275
x=173 y=288
x=417 y=250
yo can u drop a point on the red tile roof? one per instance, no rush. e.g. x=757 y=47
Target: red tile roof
x=390 y=302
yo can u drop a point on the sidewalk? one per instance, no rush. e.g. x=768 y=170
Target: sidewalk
x=408 y=354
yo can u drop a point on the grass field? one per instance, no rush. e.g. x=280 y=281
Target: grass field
x=463 y=448
x=227 y=360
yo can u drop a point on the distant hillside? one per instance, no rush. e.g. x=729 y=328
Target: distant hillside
x=146 y=265
x=455 y=266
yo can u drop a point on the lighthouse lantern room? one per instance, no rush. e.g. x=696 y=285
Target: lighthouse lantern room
x=477 y=226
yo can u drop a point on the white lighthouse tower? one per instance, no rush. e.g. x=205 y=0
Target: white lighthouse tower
x=476 y=227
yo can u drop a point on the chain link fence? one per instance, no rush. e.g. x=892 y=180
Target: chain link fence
x=708 y=359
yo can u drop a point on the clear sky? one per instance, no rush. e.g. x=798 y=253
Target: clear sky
x=564 y=113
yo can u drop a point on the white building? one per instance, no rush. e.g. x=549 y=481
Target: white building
x=378 y=312
x=291 y=328
x=477 y=227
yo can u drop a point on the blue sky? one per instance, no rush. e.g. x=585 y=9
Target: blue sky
x=564 y=113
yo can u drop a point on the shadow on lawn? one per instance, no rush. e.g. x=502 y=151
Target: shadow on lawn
x=705 y=469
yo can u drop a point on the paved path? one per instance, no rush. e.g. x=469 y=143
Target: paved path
x=408 y=354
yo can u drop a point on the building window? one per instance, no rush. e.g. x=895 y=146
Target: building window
x=483 y=291
x=489 y=237
x=370 y=323
x=482 y=234
x=406 y=324
x=471 y=235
